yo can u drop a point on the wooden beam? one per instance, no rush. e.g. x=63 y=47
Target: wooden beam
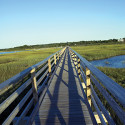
x=98 y=119
x=76 y=61
x=88 y=87
x=34 y=86
x=79 y=73
x=55 y=59
x=73 y=57
x=58 y=57
x=84 y=86
x=49 y=65
x=23 y=121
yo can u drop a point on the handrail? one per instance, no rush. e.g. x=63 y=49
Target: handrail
x=34 y=87
x=32 y=82
x=13 y=80
x=91 y=76
x=116 y=90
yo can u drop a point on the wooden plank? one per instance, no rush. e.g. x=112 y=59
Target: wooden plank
x=98 y=119
x=5 y=85
x=13 y=96
x=42 y=77
x=23 y=122
x=52 y=64
x=29 y=122
x=49 y=65
x=41 y=70
x=63 y=97
x=98 y=111
x=83 y=75
x=88 y=87
x=79 y=71
x=83 y=65
x=119 y=112
x=115 y=89
x=17 y=109
x=22 y=116
x=55 y=59
x=34 y=86
x=105 y=112
x=42 y=86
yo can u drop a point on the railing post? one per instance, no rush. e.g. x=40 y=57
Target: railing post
x=55 y=59
x=79 y=67
x=73 y=57
x=58 y=57
x=88 y=87
x=34 y=86
x=49 y=66
x=75 y=62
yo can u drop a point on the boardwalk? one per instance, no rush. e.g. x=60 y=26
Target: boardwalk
x=64 y=102
x=52 y=94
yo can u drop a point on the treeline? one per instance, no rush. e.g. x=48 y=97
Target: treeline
x=25 y=47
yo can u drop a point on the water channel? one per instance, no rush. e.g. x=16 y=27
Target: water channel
x=113 y=62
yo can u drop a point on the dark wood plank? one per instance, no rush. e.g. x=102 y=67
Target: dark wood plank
x=62 y=103
x=114 y=88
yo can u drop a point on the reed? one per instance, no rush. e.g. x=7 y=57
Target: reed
x=11 y=64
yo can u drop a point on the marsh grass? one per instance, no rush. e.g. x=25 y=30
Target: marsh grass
x=13 y=63
x=116 y=74
x=96 y=52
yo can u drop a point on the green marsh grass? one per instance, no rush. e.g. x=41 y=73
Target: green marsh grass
x=96 y=52
x=116 y=74
x=11 y=64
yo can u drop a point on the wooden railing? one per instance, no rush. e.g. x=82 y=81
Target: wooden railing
x=25 y=90
x=104 y=95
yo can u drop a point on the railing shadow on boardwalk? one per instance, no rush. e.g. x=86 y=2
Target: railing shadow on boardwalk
x=54 y=103
x=15 y=106
x=75 y=94
x=75 y=108
x=72 y=111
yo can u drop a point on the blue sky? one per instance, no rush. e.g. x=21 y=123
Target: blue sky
x=30 y=22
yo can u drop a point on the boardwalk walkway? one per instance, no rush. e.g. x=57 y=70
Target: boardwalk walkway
x=64 y=102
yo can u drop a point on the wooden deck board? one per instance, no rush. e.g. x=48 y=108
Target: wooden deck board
x=64 y=102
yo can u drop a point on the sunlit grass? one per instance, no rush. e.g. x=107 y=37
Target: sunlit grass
x=11 y=64
x=116 y=74
x=95 y=52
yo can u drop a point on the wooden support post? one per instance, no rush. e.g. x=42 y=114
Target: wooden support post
x=79 y=73
x=55 y=59
x=84 y=86
x=75 y=62
x=98 y=119
x=58 y=57
x=88 y=87
x=49 y=66
x=73 y=57
x=34 y=86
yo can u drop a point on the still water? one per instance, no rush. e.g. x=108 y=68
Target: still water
x=113 y=62
x=9 y=52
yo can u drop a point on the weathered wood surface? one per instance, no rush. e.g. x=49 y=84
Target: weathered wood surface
x=115 y=89
x=64 y=102
x=15 y=79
